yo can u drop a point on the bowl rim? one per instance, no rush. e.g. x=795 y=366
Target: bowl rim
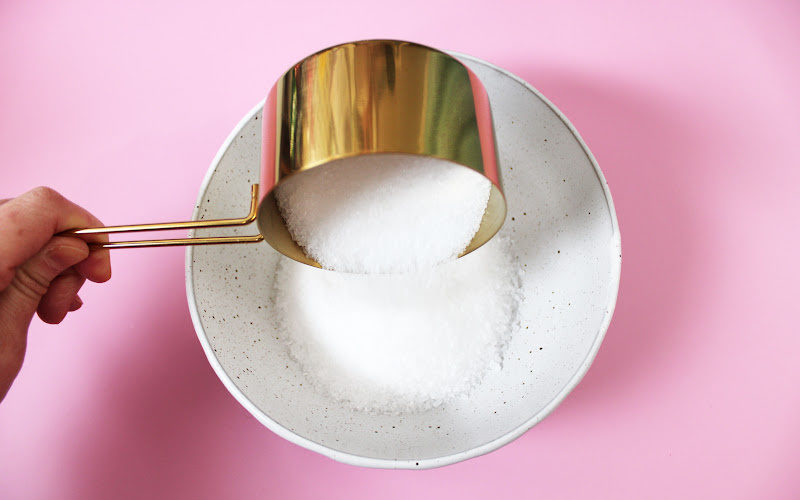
x=425 y=463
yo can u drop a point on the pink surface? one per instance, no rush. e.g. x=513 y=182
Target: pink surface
x=692 y=110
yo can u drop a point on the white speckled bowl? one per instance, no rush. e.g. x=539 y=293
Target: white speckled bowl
x=562 y=221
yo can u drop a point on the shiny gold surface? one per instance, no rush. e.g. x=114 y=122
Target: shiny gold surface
x=372 y=97
x=195 y=224
x=216 y=240
x=367 y=97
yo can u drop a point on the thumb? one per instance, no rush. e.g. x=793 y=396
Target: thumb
x=18 y=302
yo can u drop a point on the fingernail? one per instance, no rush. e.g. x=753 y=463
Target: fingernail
x=76 y=304
x=64 y=256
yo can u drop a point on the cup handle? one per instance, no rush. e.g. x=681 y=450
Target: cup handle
x=195 y=224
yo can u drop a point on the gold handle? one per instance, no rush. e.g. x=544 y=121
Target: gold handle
x=216 y=240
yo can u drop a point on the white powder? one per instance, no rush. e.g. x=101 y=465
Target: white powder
x=400 y=342
x=383 y=213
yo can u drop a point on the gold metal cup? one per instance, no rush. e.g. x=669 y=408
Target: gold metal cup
x=358 y=98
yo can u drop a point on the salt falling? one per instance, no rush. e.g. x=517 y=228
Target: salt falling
x=400 y=342
x=406 y=326
x=383 y=213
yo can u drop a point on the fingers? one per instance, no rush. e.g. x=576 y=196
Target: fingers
x=97 y=266
x=60 y=297
x=20 y=299
x=32 y=279
x=30 y=220
x=32 y=261
x=76 y=303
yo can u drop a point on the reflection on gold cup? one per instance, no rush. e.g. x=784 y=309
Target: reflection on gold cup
x=359 y=98
x=372 y=97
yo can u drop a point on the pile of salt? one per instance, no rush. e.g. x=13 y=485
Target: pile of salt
x=406 y=327
x=400 y=343
x=386 y=213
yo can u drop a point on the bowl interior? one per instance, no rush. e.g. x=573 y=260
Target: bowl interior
x=564 y=232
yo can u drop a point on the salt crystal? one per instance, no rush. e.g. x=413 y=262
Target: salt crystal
x=413 y=328
x=400 y=342
x=383 y=213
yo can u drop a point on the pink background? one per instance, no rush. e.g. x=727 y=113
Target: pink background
x=692 y=110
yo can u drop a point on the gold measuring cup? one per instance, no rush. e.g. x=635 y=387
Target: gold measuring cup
x=358 y=98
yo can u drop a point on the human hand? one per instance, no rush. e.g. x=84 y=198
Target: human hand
x=39 y=271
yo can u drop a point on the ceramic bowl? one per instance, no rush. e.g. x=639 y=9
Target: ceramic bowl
x=564 y=230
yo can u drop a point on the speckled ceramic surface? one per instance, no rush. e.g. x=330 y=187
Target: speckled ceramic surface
x=565 y=234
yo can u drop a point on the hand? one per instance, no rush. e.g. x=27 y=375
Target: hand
x=40 y=272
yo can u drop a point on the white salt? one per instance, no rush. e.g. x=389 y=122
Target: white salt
x=400 y=342
x=383 y=213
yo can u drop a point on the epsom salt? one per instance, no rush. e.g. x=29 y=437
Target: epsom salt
x=383 y=213
x=400 y=342
x=406 y=326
